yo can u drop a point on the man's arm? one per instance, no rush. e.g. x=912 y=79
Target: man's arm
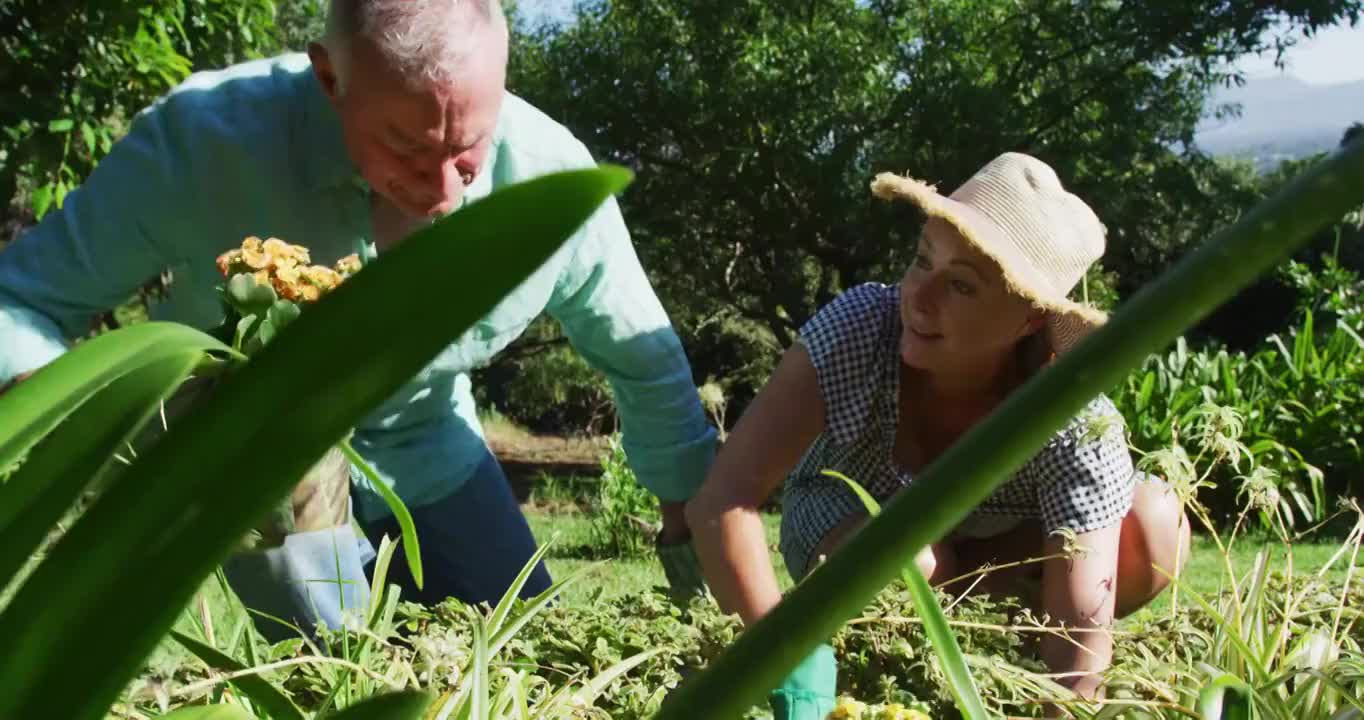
x=91 y=254
x=613 y=318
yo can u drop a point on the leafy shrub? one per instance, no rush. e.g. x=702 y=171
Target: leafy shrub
x=625 y=515
x=1297 y=394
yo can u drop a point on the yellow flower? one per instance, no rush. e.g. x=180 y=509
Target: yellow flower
x=286 y=254
x=253 y=255
x=848 y=709
x=228 y=260
x=348 y=265
x=307 y=293
x=322 y=277
x=285 y=267
x=288 y=275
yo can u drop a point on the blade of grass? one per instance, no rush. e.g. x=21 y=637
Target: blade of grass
x=959 y=680
x=976 y=464
x=261 y=692
x=513 y=591
x=587 y=694
x=412 y=551
x=478 y=673
x=380 y=589
x=540 y=602
x=1226 y=698
x=185 y=503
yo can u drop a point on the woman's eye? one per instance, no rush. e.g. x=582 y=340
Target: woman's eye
x=962 y=287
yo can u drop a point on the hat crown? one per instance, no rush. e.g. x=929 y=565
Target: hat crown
x=1054 y=231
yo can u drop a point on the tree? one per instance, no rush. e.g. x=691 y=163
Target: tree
x=756 y=127
x=1273 y=303
x=72 y=74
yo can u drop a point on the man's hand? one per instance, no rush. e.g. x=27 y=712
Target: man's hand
x=675 y=530
x=678 y=557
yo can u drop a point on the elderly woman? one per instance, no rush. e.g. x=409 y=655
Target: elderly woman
x=886 y=377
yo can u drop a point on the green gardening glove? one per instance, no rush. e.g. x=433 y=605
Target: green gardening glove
x=683 y=570
x=808 y=693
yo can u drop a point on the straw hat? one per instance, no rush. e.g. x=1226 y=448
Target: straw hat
x=1016 y=212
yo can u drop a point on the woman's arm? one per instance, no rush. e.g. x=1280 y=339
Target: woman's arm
x=775 y=430
x=1079 y=593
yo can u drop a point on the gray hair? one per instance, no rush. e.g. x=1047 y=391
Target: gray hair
x=423 y=39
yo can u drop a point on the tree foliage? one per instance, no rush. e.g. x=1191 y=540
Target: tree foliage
x=756 y=126
x=72 y=74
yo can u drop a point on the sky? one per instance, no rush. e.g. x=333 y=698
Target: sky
x=1335 y=55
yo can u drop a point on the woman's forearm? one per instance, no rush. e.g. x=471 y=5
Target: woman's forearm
x=732 y=546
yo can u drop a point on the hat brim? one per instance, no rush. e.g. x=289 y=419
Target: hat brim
x=1068 y=321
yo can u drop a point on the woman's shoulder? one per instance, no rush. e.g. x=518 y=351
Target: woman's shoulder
x=859 y=303
x=1100 y=421
x=851 y=342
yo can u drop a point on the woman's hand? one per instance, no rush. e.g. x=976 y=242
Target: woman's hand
x=776 y=429
x=1079 y=593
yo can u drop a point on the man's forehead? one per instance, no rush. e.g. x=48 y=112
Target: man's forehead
x=452 y=116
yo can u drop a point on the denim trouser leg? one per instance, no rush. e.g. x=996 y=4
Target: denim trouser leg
x=474 y=543
x=313 y=578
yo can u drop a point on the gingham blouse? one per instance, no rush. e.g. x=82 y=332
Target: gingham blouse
x=1082 y=479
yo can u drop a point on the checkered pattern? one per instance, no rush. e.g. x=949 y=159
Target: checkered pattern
x=1082 y=479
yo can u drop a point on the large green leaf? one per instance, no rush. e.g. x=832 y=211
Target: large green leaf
x=965 y=475
x=405 y=705
x=56 y=471
x=32 y=408
x=149 y=541
x=266 y=696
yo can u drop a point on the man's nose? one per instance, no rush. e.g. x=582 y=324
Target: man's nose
x=442 y=179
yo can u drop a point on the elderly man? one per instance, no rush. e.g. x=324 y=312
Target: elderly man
x=399 y=115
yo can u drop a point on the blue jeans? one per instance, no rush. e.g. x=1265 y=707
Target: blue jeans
x=474 y=543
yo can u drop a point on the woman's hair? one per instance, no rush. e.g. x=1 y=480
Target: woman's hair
x=1034 y=352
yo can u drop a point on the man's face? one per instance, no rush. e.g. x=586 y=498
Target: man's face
x=419 y=147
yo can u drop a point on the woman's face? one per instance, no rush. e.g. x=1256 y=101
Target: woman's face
x=956 y=311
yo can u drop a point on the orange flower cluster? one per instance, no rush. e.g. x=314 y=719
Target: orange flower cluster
x=287 y=268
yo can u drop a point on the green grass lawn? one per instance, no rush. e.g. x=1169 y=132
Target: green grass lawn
x=620 y=576
x=1204 y=573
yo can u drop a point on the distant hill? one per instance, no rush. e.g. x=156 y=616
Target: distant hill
x=1282 y=118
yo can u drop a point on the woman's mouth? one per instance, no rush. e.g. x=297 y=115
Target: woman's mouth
x=924 y=336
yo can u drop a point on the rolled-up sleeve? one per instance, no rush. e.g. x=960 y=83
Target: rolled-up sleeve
x=613 y=318
x=90 y=254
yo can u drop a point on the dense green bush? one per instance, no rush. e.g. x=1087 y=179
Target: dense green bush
x=625 y=515
x=1299 y=396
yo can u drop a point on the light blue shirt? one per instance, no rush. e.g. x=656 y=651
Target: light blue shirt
x=256 y=149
